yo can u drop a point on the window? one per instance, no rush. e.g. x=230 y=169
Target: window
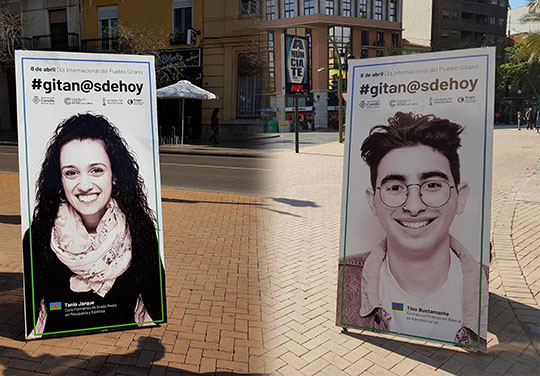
x=108 y=21
x=249 y=7
x=380 y=39
x=445 y=14
x=365 y=38
x=346 y=8
x=491 y=20
x=364 y=53
x=444 y=33
x=270 y=10
x=501 y=21
x=377 y=11
x=342 y=37
x=502 y=3
x=289 y=8
x=362 y=8
x=59 y=29
x=249 y=86
x=392 y=11
x=271 y=63
x=494 y=2
x=329 y=6
x=379 y=53
x=309 y=7
x=454 y=34
x=395 y=39
x=182 y=20
x=454 y=15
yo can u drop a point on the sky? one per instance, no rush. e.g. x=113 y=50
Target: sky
x=518 y=3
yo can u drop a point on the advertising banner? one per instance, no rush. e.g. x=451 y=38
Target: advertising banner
x=414 y=246
x=296 y=65
x=90 y=193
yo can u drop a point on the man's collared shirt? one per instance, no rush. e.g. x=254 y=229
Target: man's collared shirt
x=358 y=289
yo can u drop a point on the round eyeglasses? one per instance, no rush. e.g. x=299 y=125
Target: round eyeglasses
x=433 y=193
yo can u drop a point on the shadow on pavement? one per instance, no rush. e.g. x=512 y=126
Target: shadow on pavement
x=181 y=201
x=513 y=343
x=138 y=362
x=10 y=219
x=296 y=203
x=262 y=206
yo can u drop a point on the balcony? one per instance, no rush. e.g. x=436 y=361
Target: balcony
x=109 y=45
x=178 y=38
x=68 y=42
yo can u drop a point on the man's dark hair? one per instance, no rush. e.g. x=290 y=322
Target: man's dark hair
x=408 y=129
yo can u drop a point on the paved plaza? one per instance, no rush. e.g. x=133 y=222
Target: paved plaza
x=251 y=284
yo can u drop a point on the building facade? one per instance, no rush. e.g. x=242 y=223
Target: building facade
x=514 y=25
x=44 y=25
x=360 y=28
x=134 y=27
x=454 y=24
x=233 y=67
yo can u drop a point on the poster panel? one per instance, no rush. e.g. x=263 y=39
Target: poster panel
x=296 y=65
x=414 y=245
x=90 y=193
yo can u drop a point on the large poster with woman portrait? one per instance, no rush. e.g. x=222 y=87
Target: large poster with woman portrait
x=414 y=250
x=90 y=193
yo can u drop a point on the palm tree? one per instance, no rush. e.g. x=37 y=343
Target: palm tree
x=532 y=42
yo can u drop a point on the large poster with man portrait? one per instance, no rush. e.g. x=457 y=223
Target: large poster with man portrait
x=414 y=249
x=90 y=193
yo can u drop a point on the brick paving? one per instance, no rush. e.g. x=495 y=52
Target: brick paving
x=213 y=261
x=302 y=338
x=251 y=284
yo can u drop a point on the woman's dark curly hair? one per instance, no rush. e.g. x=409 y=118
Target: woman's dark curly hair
x=128 y=192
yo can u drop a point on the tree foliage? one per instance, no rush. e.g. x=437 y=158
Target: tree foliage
x=10 y=36
x=519 y=73
x=531 y=43
x=149 y=40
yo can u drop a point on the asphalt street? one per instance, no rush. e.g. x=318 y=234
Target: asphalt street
x=194 y=172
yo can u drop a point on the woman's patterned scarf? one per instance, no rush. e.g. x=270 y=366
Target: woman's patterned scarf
x=96 y=259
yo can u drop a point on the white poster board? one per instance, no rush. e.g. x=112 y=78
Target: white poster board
x=87 y=129
x=414 y=246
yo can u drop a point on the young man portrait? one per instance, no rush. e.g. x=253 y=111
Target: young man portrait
x=419 y=280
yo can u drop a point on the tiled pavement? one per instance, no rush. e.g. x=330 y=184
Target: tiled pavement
x=213 y=261
x=302 y=338
x=251 y=284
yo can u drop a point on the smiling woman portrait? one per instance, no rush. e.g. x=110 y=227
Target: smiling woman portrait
x=91 y=254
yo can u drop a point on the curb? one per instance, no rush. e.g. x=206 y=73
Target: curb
x=213 y=152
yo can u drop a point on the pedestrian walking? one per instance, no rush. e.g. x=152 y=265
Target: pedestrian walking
x=538 y=120
x=519 y=117
x=529 y=118
x=215 y=126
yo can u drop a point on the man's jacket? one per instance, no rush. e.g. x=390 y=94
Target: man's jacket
x=362 y=306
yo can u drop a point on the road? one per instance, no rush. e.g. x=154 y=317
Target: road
x=195 y=172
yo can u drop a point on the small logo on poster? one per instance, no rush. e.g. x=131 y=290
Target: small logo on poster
x=135 y=102
x=55 y=306
x=43 y=100
x=397 y=306
x=467 y=99
x=392 y=103
x=362 y=104
x=69 y=100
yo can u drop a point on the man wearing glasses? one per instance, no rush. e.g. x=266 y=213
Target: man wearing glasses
x=419 y=280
